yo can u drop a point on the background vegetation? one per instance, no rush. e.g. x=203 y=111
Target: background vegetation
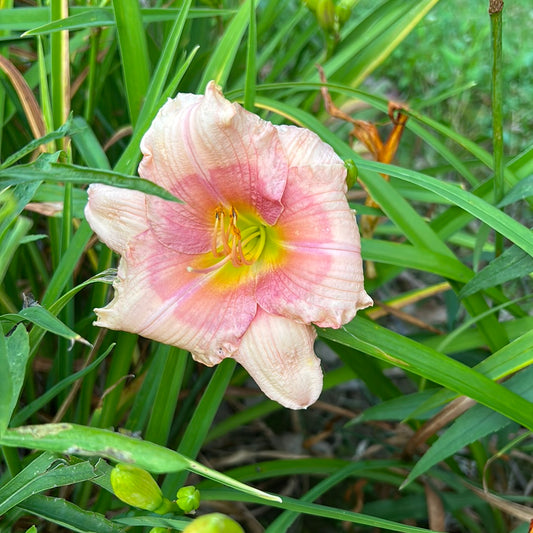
x=426 y=418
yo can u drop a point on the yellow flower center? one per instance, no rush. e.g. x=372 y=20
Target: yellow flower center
x=236 y=239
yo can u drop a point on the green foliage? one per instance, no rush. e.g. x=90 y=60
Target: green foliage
x=452 y=257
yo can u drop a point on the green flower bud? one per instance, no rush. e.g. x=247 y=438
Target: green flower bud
x=160 y=530
x=325 y=14
x=311 y=4
x=352 y=173
x=343 y=13
x=188 y=498
x=213 y=523
x=136 y=487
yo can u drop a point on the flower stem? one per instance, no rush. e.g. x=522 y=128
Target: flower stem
x=495 y=11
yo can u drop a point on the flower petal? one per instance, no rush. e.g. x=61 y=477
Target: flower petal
x=116 y=215
x=278 y=354
x=320 y=279
x=210 y=152
x=156 y=297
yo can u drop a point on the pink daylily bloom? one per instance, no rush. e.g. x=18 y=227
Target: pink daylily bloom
x=263 y=246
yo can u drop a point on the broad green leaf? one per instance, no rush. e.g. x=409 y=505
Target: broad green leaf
x=73 y=439
x=14 y=353
x=513 y=263
x=6 y=387
x=43 y=318
x=471 y=426
x=57 y=474
x=40 y=465
x=68 y=515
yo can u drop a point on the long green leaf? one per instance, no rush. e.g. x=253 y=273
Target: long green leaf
x=435 y=366
x=512 y=264
x=22 y=486
x=14 y=353
x=313 y=509
x=68 y=515
x=82 y=175
x=490 y=215
x=222 y=57
x=41 y=317
x=134 y=54
x=73 y=439
x=471 y=426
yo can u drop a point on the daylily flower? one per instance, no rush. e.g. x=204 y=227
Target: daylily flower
x=263 y=246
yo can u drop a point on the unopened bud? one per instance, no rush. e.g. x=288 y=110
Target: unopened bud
x=351 y=173
x=311 y=4
x=325 y=14
x=343 y=13
x=213 y=523
x=188 y=499
x=136 y=487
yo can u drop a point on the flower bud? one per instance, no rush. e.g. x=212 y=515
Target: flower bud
x=213 y=523
x=311 y=4
x=325 y=14
x=160 y=530
x=188 y=499
x=351 y=174
x=136 y=487
x=343 y=13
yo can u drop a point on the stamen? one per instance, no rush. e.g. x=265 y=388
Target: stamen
x=228 y=242
x=212 y=268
